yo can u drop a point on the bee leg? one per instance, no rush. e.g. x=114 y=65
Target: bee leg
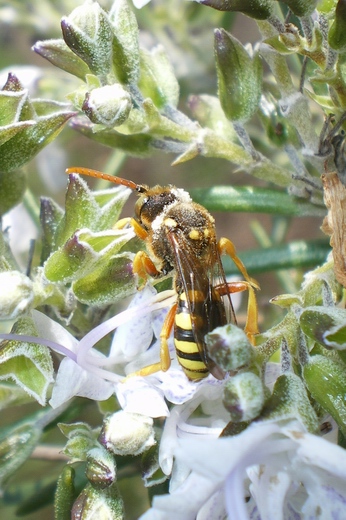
x=165 y=333
x=225 y=246
x=143 y=266
x=165 y=358
x=138 y=229
x=251 y=325
x=123 y=222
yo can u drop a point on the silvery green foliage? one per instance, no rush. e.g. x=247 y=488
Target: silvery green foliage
x=260 y=115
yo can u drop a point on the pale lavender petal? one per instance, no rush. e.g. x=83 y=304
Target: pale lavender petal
x=72 y=380
x=184 y=503
x=137 y=396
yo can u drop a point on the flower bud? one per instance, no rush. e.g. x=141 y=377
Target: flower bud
x=58 y=53
x=258 y=9
x=239 y=77
x=325 y=380
x=16 y=295
x=95 y=503
x=65 y=493
x=101 y=468
x=337 y=31
x=229 y=347
x=109 y=105
x=88 y=33
x=243 y=396
x=127 y=433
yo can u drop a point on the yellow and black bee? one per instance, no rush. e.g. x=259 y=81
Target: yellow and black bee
x=180 y=237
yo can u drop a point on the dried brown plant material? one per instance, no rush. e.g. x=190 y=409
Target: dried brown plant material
x=334 y=223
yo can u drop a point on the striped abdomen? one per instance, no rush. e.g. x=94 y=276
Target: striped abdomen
x=185 y=344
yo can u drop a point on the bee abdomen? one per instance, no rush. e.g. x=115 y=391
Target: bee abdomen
x=185 y=345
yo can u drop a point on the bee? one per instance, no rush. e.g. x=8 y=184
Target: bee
x=180 y=237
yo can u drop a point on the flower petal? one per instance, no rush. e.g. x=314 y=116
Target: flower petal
x=51 y=330
x=184 y=503
x=136 y=395
x=72 y=380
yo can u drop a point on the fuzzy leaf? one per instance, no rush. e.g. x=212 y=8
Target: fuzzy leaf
x=29 y=141
x=157 y=80
x=16 y=445
x=125 y=42
x=58 y=53
x=83 y=252
x=106 y=283
x=28 y=364
x=326 y=325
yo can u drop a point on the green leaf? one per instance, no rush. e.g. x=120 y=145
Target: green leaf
x=58 y=53
x=81 y=439
x=337 y=31
x=83 y=252
x=11 y=104
x=16 y=295
x=29 y=141
x=299 y=253
x=12 y=395
x=9 y=131
x=301 y=7
x=239 y=77
x=88 y=33
x=290 y=401
x=326 y=325
x=16 y=445
x=139 y=145
x=107 y=283
x=258 y=9
x=325 y=380
x=125 y=42
x=28 y=364
x=12 y=189
x=157 y=80
x=152 y=474
x=253 y=199
x=50 y=217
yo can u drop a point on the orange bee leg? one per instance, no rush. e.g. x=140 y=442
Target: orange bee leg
x=164 y=335
x=165 y=359
x=251 y=326
x=122 y=223
x=226 y=246
x=138 y=229
x=143 y=266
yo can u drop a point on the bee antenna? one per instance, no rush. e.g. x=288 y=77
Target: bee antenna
x=111 y=178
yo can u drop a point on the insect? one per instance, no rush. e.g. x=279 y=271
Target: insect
x=180 y=237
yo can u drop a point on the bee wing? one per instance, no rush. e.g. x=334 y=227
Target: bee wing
x=196 y=278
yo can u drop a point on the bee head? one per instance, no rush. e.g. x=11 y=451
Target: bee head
x=152 y=202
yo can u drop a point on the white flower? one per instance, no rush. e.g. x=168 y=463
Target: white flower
x=84 y=371
x=287 y=472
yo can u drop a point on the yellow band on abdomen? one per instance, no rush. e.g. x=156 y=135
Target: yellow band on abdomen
x=183 y=321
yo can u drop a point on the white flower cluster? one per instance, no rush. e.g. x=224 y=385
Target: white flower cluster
x=273 y=470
